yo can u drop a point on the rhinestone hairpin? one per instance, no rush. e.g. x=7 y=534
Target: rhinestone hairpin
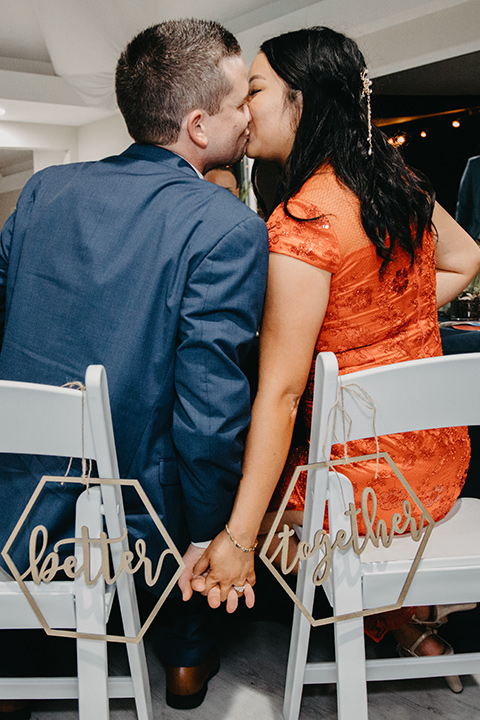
x=366 y=92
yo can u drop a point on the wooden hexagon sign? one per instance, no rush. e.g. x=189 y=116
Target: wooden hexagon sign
x=324 y=545
x=79 y=565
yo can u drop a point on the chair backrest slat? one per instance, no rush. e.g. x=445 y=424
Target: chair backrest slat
x=414 y=395
x=43 y=420
x=48 y=420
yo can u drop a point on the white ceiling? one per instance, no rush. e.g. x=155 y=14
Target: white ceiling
x=57 y=57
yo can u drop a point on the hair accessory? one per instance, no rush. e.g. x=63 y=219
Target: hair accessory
x=237 y=544
x=366 y=92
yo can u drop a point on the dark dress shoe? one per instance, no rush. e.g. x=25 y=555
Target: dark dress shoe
x=187 y=686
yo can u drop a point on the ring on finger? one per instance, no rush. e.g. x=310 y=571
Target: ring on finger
x=239 y=588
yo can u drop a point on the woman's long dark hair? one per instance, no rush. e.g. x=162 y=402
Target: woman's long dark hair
x=396 y=204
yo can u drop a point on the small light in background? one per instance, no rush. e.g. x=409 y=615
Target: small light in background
x=2 y=111
x=398 y=139
x=455 y=123
x=423 y=134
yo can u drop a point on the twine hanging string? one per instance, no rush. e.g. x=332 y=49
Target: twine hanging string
x=361 y=396
x=86 y=474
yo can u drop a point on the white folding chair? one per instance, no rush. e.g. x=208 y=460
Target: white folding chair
x=45 y=420
x=419 y=394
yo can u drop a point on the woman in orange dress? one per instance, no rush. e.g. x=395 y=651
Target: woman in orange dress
x=356 y=267
x=369 y=321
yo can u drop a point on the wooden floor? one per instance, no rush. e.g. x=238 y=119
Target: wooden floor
x=250 y=683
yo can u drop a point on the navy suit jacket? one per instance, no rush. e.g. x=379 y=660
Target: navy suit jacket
x=468 y=202
x=136 y=263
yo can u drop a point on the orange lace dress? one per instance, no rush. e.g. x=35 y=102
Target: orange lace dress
x=370 y=322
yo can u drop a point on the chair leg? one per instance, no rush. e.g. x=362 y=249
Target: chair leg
x=141 y=684
x=136 y=651
x=127 y=599
x=347 y=593
x=297 y=659
x=300 y=636
x=91 y=617
x=351 y=674
x=92 y=680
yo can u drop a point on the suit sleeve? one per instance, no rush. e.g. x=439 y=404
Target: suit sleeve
x=5 y=242
x=220 y=314
x=15 y=225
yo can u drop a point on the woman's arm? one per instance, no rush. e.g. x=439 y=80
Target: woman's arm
x=296 y=300
x=457 y=256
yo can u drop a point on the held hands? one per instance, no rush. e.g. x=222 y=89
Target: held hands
x=223 y=567
x=191 y=557
x=220 y=569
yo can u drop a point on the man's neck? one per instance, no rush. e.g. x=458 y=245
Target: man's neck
x=194 y=158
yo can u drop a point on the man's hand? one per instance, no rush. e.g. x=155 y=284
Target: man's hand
x=191 y=557
x=227 y=567
x=213 y=595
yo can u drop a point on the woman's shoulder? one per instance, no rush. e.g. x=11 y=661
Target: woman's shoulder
x=323 y=194
x=323 y=200
x=308 y=235
x=308 y=199
x=325 y=189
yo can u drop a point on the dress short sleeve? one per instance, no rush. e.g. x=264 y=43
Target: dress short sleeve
x=315 y=242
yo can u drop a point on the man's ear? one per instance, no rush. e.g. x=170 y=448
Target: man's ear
x=196 y=128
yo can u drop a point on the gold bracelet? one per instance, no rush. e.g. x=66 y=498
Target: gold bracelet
x=237 y=544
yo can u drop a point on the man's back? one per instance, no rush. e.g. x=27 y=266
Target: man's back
x=136 y=263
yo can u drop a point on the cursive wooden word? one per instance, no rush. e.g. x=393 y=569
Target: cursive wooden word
x=376 y=533
x=44 y=569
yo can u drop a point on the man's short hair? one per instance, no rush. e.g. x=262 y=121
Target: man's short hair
x=167 y=71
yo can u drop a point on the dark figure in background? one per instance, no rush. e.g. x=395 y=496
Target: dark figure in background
x=137 y=263
x=467 y=213
x=455 y=340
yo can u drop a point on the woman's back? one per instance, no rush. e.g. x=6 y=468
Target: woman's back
x=369 y=320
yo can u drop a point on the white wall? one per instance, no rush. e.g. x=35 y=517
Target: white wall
x=53 y=145
x=8 y=201
x=36 y=136
x=47 y=158
x=102 y=138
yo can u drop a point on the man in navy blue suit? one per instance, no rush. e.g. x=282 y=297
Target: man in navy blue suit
x=137 y=263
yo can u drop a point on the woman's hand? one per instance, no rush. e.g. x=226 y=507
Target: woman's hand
x=222 y=567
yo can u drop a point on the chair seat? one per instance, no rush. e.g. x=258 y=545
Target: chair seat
x=453 y=537
x=56 y=605
x=447 y=564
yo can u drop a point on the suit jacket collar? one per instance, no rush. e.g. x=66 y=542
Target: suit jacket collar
x=160 y=154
